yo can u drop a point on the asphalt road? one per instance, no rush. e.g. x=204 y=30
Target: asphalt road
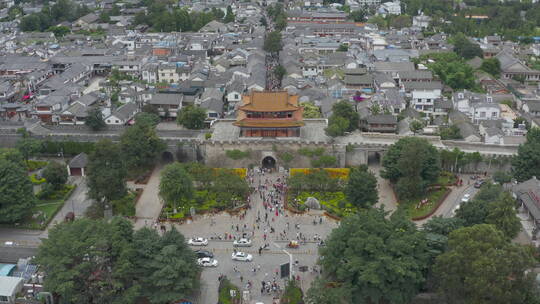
x=11 y=254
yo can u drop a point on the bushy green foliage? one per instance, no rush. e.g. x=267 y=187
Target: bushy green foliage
x=192 y=117
x=16 y=193
x=526 y=163
x=343 y=119
x=67 y=147
x=310 y=110
x=56 y=174
x=361 y=189
x=273 y=43
x=364 y=260
x=480 y=254
x=80 y=256
x=450 y=132
x=452 y=70
x=237 y=154
x=317 y=180
x=412 y=163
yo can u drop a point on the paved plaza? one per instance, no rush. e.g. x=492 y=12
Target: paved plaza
x=264 y=266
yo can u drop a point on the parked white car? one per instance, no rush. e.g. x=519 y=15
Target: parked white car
x=242 y=256
x=207 y=262
x=466 y=198
x=242 y=243
x=198 y=241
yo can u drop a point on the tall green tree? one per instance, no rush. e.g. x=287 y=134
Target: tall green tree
x=358 y=15
x=442 y=225
x=229 y=188
x=272 y=42
x=141 y=145
x=229 y=17
x=192 y=117
x=56 y=174
x=345 y=110
x=16 y=193
x=370 y=258
x=106 y=176
x=416 y=125
x=176 y=185
x=95 y=120
x=89 y=261
x=27 y=145
x=480 y=266
x=280 y=72
x=526 y=163
x=491 y=66
x=165 y=265
x=361 y=188
x=12 y=155
x=503 y=216
x=412 y=163
x=465 y=48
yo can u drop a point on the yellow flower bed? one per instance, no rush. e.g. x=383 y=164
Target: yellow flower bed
x=342 y=173
x=241 y=172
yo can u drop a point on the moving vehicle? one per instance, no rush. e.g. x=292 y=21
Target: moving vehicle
x=204 y=254
x=466 y=198
x=242 y=256
x=198 y=241
x=207 y=262
x=293 y=244
x=478 y=183
x=242 y=243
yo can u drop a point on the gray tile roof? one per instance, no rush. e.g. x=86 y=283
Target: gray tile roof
x=167 y=99
x=79 y=161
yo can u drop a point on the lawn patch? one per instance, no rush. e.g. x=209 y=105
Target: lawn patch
x=423 y=207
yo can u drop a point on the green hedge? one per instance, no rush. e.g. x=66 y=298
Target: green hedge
x=34 y=179
x=36 y=164
x=68 y=147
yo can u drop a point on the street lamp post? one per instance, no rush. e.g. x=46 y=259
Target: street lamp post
x=290 y=260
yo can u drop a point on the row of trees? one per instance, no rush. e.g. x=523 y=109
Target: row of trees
x=62 y=10
x=501 y=19
x=98 y=261
x=109 y=163
x=162 y=17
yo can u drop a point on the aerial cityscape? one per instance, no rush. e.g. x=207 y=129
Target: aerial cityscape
x=269 y=152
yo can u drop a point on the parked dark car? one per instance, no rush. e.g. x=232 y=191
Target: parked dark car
x=478 y=183
x=204 y=254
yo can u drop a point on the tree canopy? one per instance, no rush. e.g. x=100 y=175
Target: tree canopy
x=452 y=70
x=491 y=206
x=310 y=110
x=361 y=189
x=480 y=266
x=272 y=42
x=465 y=48
x=56 y=174
x=176 y=185
x=526 y=163
x=141 y=145
x=98 y=261
x=491 y=66
x=106 y=176
x=27 y=145
x=192 y=117
x=343 y=119
x=16 y=193
x=369 y=259
x=95 y=120
x=412 y=163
